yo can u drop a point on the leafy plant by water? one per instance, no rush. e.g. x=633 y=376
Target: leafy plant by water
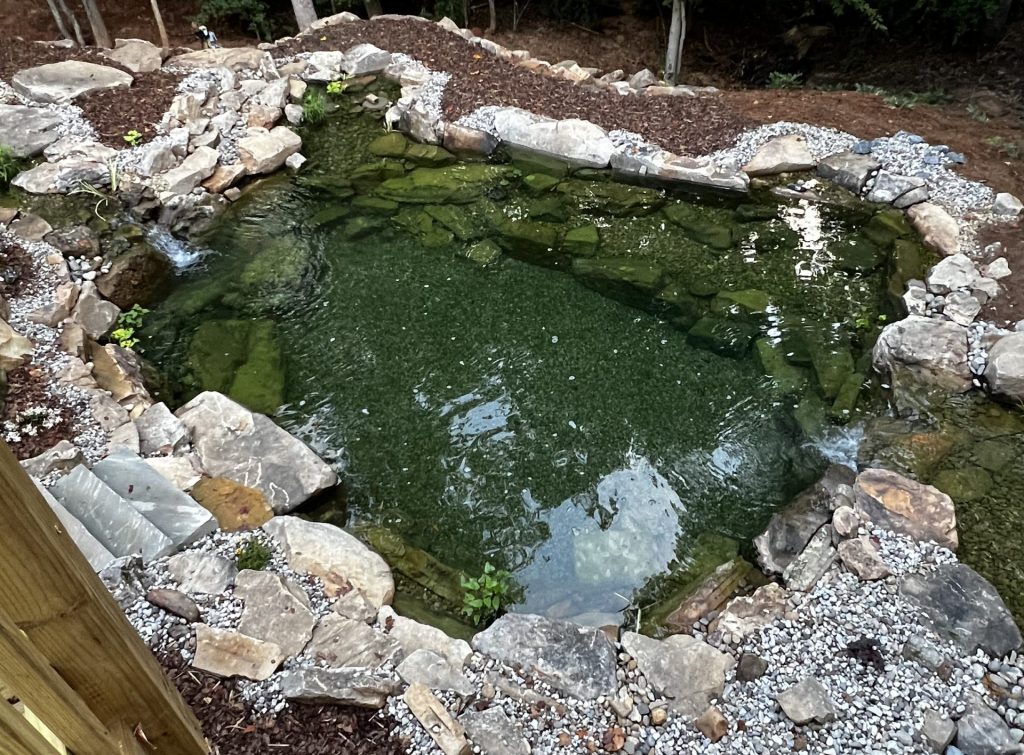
x=314 y=107
x=128 y=325
x=486 y=596
x=337 y=87
x=252 y=554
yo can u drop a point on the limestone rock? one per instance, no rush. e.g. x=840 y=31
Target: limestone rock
x=95 y=552
x=1005 y=369
x=939 y=231
x=197 y=572
x=845 y=521
x=160 y=432
x=235 y=506
x=181 y=471
x=354 y=605
x=574 y=659
x=338 y=686
x=29 y=226
x=119 y=372
x=137 y=55
x=997 y=269
x=61 y=458
x=899 y=191
x=413 y=636
x=265 y=152
x=63 y=176
x=861 y=557
x=964 y=609
x=807 y=702
x=906 y=506
x=224 y=177
x=248 y=448
x=494 y=732
x=982 y=731
x=937 y=731
x=276 y=610
x=365 y=59
x=435 y=672
x=175 y=602
x=928 y=351
x=15 y=349
x=746 y=614
x=687 y=671
x=783 y=154
x=712 y=724
x=93 y=313
x=226 y=653
x=463 y=140
x=340 y=642
x=443 y=729
x=233 y=58
x=1007 y=205
x=580 y=143
x=952 y=273
x=642 y=79
x=193 y=169
x=805 y=570
x=26 y=131
x=849 y=170
x=64 y=81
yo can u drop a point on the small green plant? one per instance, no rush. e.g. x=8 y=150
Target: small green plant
x=977 y=113
x=336 y=87
x=780 y=80
x=128 y=325
x=10 y=166
x=1013 y=150
x=252 y=554
x=133 y=138
x=314 y=108
x=484 y=598
x=864 y=322
x=910 y=100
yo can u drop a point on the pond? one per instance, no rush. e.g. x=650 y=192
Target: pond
x=598 y=387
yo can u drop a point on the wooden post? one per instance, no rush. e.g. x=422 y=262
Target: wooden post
x=165 y=41
x=18 y=736
x=49 y=591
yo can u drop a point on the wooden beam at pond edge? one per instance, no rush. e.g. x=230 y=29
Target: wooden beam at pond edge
x=49 y=591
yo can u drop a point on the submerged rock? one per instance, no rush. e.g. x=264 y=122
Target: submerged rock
x=700 y=227
x=241 y=358
x=727 y=338
x=634 y=281
x=457 y=184
x=611 y=198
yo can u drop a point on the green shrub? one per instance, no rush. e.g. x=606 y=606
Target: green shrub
x=314 y=107
x=486 y=596
x=252 y=554
x=780 y=80
x=128 y=324
x=10 y=166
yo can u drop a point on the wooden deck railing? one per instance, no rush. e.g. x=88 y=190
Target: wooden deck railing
x=67 y=651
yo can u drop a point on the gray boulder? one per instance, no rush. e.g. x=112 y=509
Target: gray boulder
x=580 y=143
x=926 y=351
x=951 y=274
x=861 y=557
x=62 y=457
x=807 y=702
x=576 y=660
x=687 y=671
x=58 y=177
x=64 y=81
x=1005 y=369
x=160 y=432
x=94 y=551
x=197 y=572
x=137 y=55
x=250 y=449
x=982 y=731
x=192 y=171
x=937 y=731
x=265 y=151
x=276 y=610
x=27 y=131
x=783 y=154
x=365 y=59
x=431 y=670
x=233 y=58
x=805 y=570
x=906 y=506
x=964 y=608
x=339 y=642
x=849 y=170
x=413 y=636
x=338 y=686
x=494 y=732
x=1007 y=205
x=899 y=191
x=938 y=230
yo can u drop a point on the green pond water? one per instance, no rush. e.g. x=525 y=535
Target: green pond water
x=603 y=389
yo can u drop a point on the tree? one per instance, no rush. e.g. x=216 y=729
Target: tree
x=165 y=42
x=100 y=35
x=60 y=10
x=305 y=13
x=493 y=25
x=373 y=8
x=676 y=38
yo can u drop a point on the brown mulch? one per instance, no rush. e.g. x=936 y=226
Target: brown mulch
x=112 y=113
x=1008 y=308
x=29 y=388
x=298 y=730
x=16 y=271
x=684 y=125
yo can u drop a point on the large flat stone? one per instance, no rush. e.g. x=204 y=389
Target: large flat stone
x=577 y=660
x=235 y=506
x=226 y=653
x=27 y=131
x=432 y=670
x=110 y=519
x=783 y=154
x=338 y=558
x=197 y=572
x=137 y=55
x=805 y=570
x=902 y=505
x=964 y=608
x=338 y=686
x=579 y=143
x=924 y=351
x=248 y=448
x=446 y=732
x=413 y=636
x=94 y=551
x=66 y=80
x=276 y=610
x=849 y=170
x=63 y=457
x=339 y=642
x=687 y=671
x=494 y=732
x=234 y=58
x=151 y=494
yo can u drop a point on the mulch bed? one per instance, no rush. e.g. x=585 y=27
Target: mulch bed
x=28 y=388
x=112 y=113
x=16 y=271
x=683 y=125
x=298 y=730
x=1008 y=308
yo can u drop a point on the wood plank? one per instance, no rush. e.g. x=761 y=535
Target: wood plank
x=50 y=592
x=29 y=676
x=18 y=735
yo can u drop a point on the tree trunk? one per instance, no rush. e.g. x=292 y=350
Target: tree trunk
x=676 y=39
x=62 y=6
x=305 y=14
x=373 y=8
x=165 y=41
x=493 y=25
x=100 y=36
x=61 y=28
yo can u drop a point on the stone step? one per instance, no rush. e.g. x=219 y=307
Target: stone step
x=108 y=517
x=94 y=551
x=174 y=513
